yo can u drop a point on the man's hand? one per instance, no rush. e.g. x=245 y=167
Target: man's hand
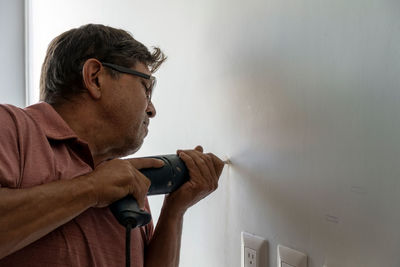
x=117 y=178
x=204 y=173
x=50 y=205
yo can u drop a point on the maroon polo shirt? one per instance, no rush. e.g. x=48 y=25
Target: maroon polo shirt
x=36 y=147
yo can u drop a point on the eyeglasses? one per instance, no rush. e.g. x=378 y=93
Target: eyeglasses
x=152 y=79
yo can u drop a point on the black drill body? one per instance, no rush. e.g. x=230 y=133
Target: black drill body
x=164 y=180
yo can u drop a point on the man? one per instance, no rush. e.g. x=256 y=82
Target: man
x=59 y=166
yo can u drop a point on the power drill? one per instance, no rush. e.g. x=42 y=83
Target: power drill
x=164 y=180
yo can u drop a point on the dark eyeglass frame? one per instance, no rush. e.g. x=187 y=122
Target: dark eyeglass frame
x=149 y=90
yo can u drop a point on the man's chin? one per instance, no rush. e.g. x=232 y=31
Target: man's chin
x=128 y=149
x=133 y=149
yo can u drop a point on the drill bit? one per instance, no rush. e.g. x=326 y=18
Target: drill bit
x=227 y=161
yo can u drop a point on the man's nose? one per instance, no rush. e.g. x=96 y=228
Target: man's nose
x=151 y=110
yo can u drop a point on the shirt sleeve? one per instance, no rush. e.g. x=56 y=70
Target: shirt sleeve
x=9 y=149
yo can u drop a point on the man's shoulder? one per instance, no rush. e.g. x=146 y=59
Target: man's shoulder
x=10 y=111
x=11 y=117
x=11 y=130
x=15 y=117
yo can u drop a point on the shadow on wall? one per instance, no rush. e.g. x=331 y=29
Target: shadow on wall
x=283 y=212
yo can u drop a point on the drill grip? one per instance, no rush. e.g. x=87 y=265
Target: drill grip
x=163 y=180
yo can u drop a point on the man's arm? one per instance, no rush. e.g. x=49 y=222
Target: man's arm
x=164 y=247
x=204 y=172
x=29 y=214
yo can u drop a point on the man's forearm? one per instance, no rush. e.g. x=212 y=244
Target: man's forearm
x=28 y=214
x=164 y=247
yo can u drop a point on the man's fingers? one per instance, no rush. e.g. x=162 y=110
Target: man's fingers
x=203 y=165
x=218 y=164
x=140 y=188
x=196 y=165
x=143 y=163
x=189 y=162
x=200 y=161
x=141 y=184
x=210 y=164
x=215 y=164
x=199 y=148
x=203 y=170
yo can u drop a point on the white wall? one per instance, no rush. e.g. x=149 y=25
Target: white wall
x=12 y=52
x=303 y=95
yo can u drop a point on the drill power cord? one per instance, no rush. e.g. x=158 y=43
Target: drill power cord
x=128 y=245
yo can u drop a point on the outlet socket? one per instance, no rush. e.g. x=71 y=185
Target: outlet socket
x=254 y=251
x=288 y=257
x=250 y=257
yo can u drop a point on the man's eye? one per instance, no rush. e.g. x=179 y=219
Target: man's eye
x=145 y=86
x=147 y=90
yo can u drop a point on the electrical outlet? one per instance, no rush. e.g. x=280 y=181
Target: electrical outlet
x=250 y=257
x=288 y=257
x=254 y=251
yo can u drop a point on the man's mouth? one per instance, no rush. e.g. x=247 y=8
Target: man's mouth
x=146 y=124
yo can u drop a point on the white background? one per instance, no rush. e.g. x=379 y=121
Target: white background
x=303 y=95
x=12 y=52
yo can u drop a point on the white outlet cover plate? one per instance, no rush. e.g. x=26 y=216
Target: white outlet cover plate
x=256 y=243
x=291 y=257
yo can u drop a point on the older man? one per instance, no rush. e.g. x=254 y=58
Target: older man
x=60 y=166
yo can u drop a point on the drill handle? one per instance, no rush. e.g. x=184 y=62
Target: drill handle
x=164 y=180
x=127 y=211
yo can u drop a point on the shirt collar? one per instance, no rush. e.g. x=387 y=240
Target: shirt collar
x=51 y=122
x=55 y=128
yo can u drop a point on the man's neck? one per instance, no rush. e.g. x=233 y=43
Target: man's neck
x=87 y=126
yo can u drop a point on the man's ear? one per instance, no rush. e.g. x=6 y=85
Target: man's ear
x=90 y=75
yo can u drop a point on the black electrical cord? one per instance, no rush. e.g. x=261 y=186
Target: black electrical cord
x=128 y=245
